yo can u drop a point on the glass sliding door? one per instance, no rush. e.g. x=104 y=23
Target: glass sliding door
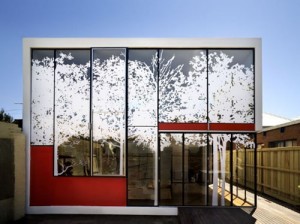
x=183 y=169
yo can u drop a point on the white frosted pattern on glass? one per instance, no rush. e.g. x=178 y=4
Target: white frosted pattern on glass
x=182 y=86
x=109 y=96
x=42 y=101
x=231 y=89
x=142 y=90
x=144 y=136
x=168 y=139
x=199 y=140
x=72 y=97
x=219 y=144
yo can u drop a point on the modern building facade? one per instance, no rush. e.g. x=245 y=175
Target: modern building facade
x=139 y=126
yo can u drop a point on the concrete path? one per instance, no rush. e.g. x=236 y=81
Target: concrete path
x=269 y=212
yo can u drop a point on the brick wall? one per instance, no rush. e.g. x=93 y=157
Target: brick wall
x=291 y=132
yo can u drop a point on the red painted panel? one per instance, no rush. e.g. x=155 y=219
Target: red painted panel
x=46 y=190
x=182 y=126
x=231 y=127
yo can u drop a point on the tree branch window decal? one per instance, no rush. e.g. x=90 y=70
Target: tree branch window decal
x=231 y=86
x=108 y=109
x=72 y=100
x=142 y=88
x=182 y=86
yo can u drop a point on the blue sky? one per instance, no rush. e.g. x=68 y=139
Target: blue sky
x=277 y=22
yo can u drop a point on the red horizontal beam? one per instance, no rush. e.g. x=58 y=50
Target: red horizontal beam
x=182 y=126
x=231 y=127
x=205 y=127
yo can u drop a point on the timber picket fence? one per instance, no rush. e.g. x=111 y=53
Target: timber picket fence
x=278 y=172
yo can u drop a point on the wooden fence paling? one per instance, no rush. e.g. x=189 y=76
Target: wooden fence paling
x=278 y=171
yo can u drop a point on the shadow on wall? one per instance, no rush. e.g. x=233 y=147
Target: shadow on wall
x=12 y=172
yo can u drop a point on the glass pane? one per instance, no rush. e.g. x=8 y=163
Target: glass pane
x=108 y=108
x=243 y=169
x=231 y=86
x=195 y=169
x=171 y=172
x=142 y=147
x=219 y=188
x=142 y=88
x=72 y=109
x=42 y=92
x=182 y=86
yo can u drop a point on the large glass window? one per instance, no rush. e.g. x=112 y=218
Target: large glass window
x=42 y=97
x=182 y=86
x=72 y=112
x=108 y=111
x=231 y=86
x=142 y=126
x=142 y=88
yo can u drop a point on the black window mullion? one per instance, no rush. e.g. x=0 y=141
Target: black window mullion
x=157 y=126
x=126 y=124
x=91 y=112
x=231 y=170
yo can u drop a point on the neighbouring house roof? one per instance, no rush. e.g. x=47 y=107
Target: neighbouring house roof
x=270 y=120
x=290 y=123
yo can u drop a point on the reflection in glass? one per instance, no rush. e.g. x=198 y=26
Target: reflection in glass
x=231 y=86
x=72 y=106
x=171 y=169
x=243 y=169
x=182 y=86
x=142 y=147
x=195 y=169
x=108 y=109
x=220 y=187
x=142 y=88
x=42 y=90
